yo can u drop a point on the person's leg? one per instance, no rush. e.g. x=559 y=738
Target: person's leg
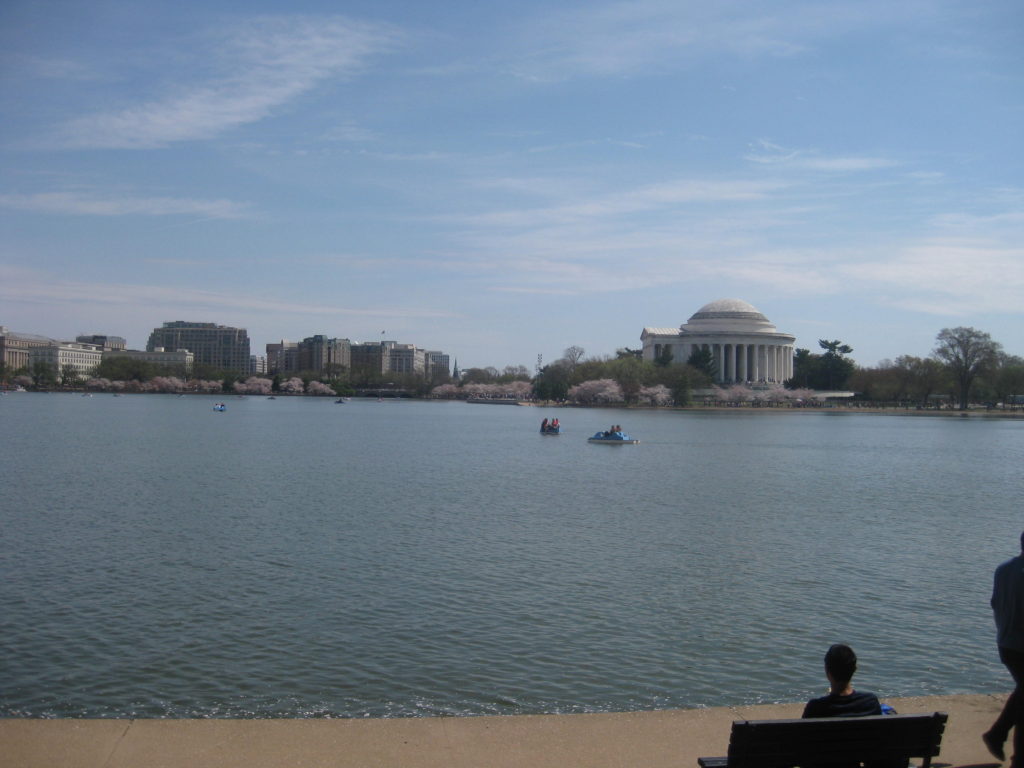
x=1013 y=711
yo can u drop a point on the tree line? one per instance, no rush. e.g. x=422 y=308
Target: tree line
x=123 y=374
x=965 y=366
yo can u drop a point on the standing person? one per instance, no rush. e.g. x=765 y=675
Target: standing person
x=842 y=700
x=1008 y=611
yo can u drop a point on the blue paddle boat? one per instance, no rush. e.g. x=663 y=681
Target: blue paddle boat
x=618 y=437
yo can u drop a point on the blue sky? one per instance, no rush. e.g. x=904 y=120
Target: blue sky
x=502 y=180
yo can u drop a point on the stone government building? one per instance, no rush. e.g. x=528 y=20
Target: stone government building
x=744 y=345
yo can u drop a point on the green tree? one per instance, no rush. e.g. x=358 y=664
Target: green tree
x=127 y=369
x=552 y=383
x=835 y=367
x=1007 y=381
x=884 y=383
x=927 y=376
x=664 y=358
x=806 y=370
x=69 y=375
x=43 y=374
x=702 y=359
x=681 y=380
x=631 y=374
x=966 y=353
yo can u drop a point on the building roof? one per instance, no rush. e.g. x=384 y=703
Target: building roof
x=728 y=308
x=732 y=315
x=660 y=332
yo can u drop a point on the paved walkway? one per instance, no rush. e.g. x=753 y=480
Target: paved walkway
x=673 y=738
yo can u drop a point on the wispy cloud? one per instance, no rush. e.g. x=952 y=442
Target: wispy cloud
x=770 y=154
x=948 y=276
x=84 y=205
x=624 y=38
x=258 y=67
x=24 y=286
x=50 y=68
x=662 y=196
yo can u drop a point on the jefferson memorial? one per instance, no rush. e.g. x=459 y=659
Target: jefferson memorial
x=744 y=346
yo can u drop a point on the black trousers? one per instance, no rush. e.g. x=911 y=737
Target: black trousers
x=1012 y=715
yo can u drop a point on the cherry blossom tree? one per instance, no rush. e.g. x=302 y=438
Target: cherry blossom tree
x=519 y=389
x=446 y=390
x=319 y=388
x=597 y=391
x=165 y=384
x=254 y=385
x=294 y=385
x=739 y=393
x=803 y=396
x=658 y=395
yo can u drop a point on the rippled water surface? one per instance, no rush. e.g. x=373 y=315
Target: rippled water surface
x=294 y=557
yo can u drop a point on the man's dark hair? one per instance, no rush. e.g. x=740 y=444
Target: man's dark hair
x=841 y=662
x=1022 y=542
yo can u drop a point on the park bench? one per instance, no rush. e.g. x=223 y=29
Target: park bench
x=882 y=739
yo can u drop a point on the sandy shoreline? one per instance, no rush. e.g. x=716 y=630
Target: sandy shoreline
x=653 y=739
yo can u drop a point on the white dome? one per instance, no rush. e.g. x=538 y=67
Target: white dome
x=733 y=315
x=731 y=308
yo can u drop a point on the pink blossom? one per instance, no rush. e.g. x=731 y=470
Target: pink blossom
x=656 y=395
x=319 y=388
x=597 y=391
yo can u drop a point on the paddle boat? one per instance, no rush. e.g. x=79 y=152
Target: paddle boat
x=219 y=407
x=550 y=427
x=617 y=437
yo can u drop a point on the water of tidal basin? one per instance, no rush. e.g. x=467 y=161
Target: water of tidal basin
x=294 y=557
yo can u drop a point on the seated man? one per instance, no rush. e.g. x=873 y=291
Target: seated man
x=842 y=700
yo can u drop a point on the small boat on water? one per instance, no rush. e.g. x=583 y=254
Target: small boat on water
x=612 y=438
x=220 y=407
x=550 y=427
x=340 y=401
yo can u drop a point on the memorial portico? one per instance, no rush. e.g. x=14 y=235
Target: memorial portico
x=744 y=345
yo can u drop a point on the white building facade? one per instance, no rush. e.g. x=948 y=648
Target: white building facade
x=61 y=355
x=745 y=347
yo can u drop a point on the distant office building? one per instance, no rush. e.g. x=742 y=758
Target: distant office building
x=15 y=348
x=282 y=356
x=406 y=358
x=62 y=355
x=438 y=365
x=319 y=353
x=214 y=345
x=179 y=359
x=108 y=343
x=372 y=356
x=257 y=364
